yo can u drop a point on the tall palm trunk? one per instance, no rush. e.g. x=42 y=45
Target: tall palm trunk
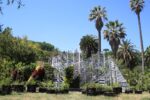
x=141 y=41
x=99 y=42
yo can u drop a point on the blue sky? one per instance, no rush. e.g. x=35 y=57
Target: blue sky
x=64 y=22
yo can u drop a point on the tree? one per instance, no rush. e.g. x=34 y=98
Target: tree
x=137 y=7
x=88 y=45
x=12 y=48
x=69 y=72
x=147 y=56
x=114 y=32
x=127 y=53
x=98 y=13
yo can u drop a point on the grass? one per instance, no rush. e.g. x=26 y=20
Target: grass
x=72 y=96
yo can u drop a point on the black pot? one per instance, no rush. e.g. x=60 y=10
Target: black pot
x=6 y=89
x=65 y=91
x=128 y=91
x=99 y=92
x=138 y=92
x=91 y=91
x=75 y=89
x=110 y=94
x=51 y=91
x=31 y=88
x=83 y=91
x=117 y=90
x=0 y=91
x=18 y=88
x=43 y=90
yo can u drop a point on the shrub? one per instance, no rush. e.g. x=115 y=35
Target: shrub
x=65 y=86
x=108 y=88
x=43 y=84
x=6 y=81
x=50 y=85
x=115 y=85
x=32 y=82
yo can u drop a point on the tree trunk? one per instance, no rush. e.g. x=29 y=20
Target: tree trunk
x=141 y=42
x=99 y=42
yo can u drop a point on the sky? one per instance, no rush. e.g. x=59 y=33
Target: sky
x=64 y=22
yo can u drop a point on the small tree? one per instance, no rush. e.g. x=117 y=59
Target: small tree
x=88 y=45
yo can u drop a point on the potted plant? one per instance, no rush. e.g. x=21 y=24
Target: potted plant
x=99 y=89
x=50 y=87
x=117 y=88
x=148 y=87
x=109 y=91
x=64 y=88
x=18 y=86
x=43 y=87
x=138 y=89
x=31 y=86
x=84 y=89
x=91 y=89
x=5 y=86
x=129 y=90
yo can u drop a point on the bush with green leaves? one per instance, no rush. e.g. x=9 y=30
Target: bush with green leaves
x=50 y=85
x=5 y=68
x=49 y=72
x=115 y=85
x=18 y=83
x=108 y=88
x=97 y=86
x=64 y=86
x=32 y=82
x=6 y=81
x=43 y=84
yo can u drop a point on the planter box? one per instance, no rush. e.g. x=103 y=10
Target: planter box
x=91 y=91
x=83 y=91
x=100 y=92
x=65 y=91
x=0 y=91
x=43 y=90
x=6 y=89
x=31 y=88
x=110 y=94
x=138 y=92
x=18 y=88
x=75 y=89
x=51 y=91
x=117 y=90
x=128 y=91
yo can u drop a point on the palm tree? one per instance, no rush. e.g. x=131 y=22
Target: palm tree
x=113 y=34
x=127 y=53
x=98 y=13
x=137 y=7
x=88 y=45
x=147 y=56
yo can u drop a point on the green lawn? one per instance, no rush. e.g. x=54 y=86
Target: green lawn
x=72 y=96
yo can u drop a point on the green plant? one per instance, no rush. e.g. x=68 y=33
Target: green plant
x=115 y=85
x=43 y=84
x=64 y=86
x=50 y=85
x=108 y=88
x=6 y=81
x=18 y=83
x=84 y=86
x=32 y=82
x=99 y=87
